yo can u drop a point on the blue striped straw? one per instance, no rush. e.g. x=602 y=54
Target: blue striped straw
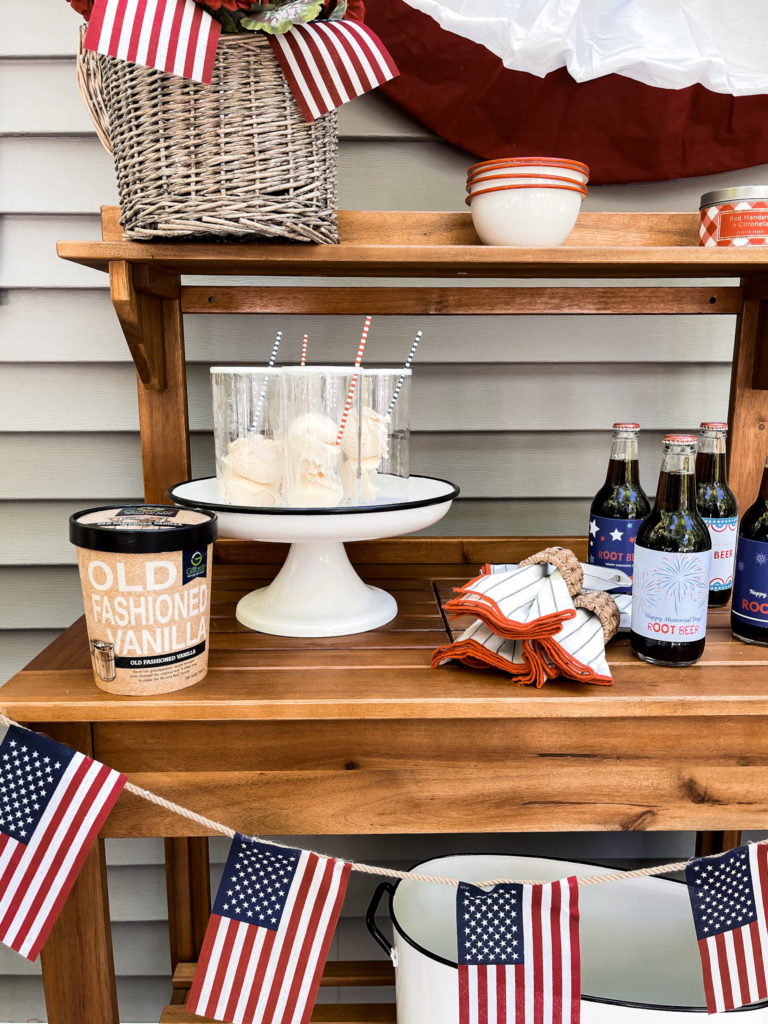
x=406 y=368
x=263 y=395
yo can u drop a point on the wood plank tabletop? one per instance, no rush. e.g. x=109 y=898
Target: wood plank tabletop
x=385 y=673
x=429 y=244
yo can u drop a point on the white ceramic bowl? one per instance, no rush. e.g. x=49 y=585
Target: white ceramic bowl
x=540 y=217
x=565 y=169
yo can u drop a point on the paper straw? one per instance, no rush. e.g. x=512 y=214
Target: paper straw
x=270 y=364
x=304 y=351
x=353 y=385
x=406 y=368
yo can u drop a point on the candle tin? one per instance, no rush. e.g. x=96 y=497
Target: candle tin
x=734 y=216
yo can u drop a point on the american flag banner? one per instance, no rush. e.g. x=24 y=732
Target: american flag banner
x=519 y=953
x=268 y=936
x=53 y=801
x=176 y=36
x=327 y=63
x=729 y=898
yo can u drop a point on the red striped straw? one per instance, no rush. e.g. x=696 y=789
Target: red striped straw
x=353 y=384
x=304 y=351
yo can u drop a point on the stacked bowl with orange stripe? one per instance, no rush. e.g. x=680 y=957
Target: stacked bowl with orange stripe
x=530 y=201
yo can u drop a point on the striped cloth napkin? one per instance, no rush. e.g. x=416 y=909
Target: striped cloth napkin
x=528 y=625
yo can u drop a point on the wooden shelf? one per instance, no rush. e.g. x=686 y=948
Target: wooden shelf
x=411 y=244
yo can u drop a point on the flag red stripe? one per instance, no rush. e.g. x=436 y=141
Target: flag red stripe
x=37 y=848
x=117 y=26
x=214 y=31
x=757 y=949
x=290 y=934
x=536 y=954
x=707 y=971
x=65 y=886
x=573 y=924
x=327 y=938
x=13 y=861
x=762 y=870
x=557 y=956
x=290 y=77
x=310 y=88
x=174 y=39
x=154 y=35
x=138 y=24
x=741 y=966
x=482 y=994
x=464 y=1012
x=519 y=970
x=249 y=1014
x=203 y=963
x=353 y=57
x=725 y=974
x=95 y=24
x=302 y=961
x=501 y=994
x=191 y=45
x=365 y=54
x=242 y=966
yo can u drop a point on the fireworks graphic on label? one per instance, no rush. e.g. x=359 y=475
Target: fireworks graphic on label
x=760 y=558
x=679 y=579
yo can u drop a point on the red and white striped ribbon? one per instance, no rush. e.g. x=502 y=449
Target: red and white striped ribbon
x=353 y=385
x=176 y=36
x=328 y=63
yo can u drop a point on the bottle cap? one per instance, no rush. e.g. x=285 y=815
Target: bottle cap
x=679 y=439
x=711 y=425
x=626 y=426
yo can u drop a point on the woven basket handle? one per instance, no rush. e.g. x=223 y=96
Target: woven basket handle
x=91 y=92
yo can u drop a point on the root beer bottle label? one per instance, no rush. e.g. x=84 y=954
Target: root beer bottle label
x=749 y=605
x=717 y=506
x=619 y=506
x=670 y=589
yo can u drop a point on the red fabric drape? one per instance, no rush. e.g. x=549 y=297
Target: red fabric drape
x=624 y=130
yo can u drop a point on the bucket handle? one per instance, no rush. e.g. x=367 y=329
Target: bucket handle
x=370 y=917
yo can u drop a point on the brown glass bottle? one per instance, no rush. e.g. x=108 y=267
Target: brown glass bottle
x=749 y=607
x=619 y=506
x=717 y=506
x=672 y=563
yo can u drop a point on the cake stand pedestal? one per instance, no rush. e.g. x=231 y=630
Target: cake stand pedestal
x=317 y=592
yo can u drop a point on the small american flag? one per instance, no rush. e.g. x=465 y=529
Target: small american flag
x=519 y=954
x=268 y=936
x=176 y=36
x=327 y=63
x=53 y=802
x=729 y=897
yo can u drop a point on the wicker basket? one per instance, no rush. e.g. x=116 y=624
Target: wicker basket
x=233 y=159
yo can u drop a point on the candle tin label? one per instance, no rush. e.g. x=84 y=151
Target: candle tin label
x=738 y=223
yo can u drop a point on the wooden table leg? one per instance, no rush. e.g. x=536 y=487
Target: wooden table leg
x=748 y=412
x=708 y=843
x=189 y=896
x=78 y=966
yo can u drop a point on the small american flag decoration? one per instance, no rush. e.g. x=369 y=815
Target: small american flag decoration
x=53 y=802
x=268 y=936
x=729 y=897
x=519 y=959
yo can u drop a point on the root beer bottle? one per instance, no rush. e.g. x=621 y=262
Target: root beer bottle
x=749 y=606
x=672 y=560
x=619 y=506
x=716 y=503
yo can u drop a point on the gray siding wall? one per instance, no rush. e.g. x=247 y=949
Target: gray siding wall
x=515 y=410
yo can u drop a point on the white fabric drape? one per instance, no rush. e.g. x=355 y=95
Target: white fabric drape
x=670 y=44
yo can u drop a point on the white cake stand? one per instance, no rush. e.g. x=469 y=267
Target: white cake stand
x=317 y=592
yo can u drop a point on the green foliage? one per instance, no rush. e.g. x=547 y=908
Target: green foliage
x=279 y=17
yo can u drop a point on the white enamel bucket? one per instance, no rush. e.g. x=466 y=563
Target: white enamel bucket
x=639 y=958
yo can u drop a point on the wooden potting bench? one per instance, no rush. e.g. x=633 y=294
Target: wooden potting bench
x=357 y=734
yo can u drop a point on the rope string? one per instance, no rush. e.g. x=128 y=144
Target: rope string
x=372 y=869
